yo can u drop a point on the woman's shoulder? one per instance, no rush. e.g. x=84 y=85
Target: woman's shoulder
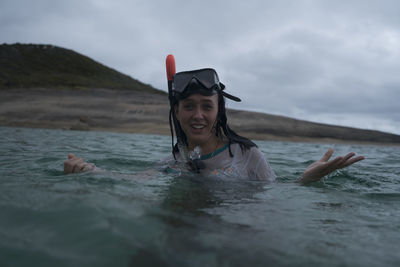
x=246 y=151
x=256 y=151
x=256 y=164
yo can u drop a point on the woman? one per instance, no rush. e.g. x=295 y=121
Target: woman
x=205 y=142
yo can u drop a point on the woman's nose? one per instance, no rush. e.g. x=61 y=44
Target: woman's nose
x=198 y=113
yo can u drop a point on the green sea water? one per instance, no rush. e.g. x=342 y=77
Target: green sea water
x=134 y=215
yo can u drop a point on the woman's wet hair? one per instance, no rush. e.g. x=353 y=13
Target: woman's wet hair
x=222 y=129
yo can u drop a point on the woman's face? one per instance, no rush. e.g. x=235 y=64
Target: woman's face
x=197 y=115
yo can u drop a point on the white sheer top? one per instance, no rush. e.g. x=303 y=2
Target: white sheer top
x=249 y=164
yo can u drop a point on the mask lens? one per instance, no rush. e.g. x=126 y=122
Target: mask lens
x=180 y=82
x=208 y=77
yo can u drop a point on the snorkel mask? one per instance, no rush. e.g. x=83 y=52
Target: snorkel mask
x=202 y=81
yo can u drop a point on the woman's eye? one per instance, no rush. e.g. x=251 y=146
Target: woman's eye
x=208 y=107
x=188 y=107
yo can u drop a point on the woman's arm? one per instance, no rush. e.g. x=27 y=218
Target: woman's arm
x=320 y=168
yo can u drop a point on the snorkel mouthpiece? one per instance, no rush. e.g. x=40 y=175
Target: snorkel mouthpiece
x=192 y=159
x=195 y=154
x=195 y=164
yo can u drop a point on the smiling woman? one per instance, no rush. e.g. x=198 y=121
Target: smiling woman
x=197 y=115
x=205 y=143
x=200 y=122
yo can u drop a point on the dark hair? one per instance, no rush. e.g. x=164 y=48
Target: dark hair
x=222 y=128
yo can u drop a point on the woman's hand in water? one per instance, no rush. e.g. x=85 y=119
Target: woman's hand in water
x=75 y=165
x=320 y=168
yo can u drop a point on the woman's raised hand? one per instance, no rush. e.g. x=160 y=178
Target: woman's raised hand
x=320 y=168
x=74 y=165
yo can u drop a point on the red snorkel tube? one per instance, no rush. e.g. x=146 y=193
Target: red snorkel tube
x=170 y=66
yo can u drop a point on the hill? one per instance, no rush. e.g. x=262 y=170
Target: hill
x=38 y=88
x=48 y=66
x=266 y=126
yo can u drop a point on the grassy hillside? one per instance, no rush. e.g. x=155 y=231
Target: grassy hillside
x=47 y=66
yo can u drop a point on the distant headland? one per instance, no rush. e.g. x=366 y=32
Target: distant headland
x=44 y=86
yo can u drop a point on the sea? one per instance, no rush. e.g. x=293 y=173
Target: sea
x=132 y=213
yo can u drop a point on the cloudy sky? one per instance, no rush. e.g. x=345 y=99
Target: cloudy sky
x=326 y=61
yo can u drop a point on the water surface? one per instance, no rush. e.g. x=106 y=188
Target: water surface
x=128 y=216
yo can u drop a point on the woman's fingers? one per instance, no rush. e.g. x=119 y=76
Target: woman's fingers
x=68 y=166
x=347 y=157
x=341 y=162
x=88 y=167
x=72 y=164
x=327 y=155
x=353 y=160
x=80 y=166
x=75 y=162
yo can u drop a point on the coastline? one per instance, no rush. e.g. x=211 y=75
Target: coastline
x=127 y=111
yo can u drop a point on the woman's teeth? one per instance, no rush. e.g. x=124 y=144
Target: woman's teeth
x=198 y=126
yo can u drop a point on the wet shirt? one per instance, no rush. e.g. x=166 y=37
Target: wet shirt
x=247 y=164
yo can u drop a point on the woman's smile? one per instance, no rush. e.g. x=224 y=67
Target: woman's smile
x=197 y=115
x=198 y=127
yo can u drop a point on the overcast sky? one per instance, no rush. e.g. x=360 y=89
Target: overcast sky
x=325 y=61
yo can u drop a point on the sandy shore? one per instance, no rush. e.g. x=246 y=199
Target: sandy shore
x=88 y=109
x=132 y=112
